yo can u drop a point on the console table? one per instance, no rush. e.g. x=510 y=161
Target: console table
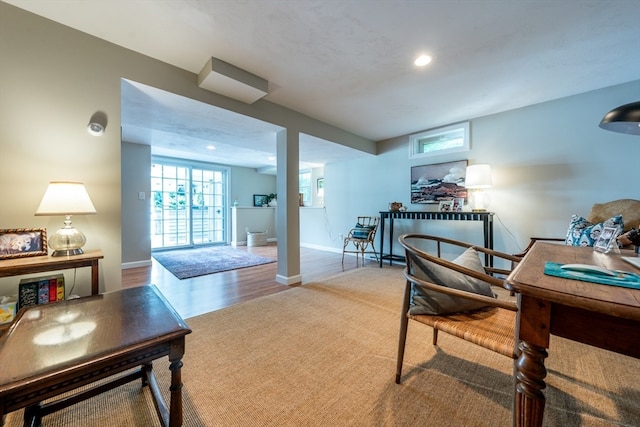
x=485 y=217
x=52 y=349
x=40 y=264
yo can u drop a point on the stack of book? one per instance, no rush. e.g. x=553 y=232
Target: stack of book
x=40 y=290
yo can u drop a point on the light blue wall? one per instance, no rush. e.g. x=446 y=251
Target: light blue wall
x=549 y=161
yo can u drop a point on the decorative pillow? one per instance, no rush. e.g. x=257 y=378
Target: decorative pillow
x=425 y=301
x=362 y=231
x=583 y=233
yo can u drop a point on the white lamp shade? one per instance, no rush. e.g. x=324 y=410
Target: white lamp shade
x=66 y=198
x=478 y=176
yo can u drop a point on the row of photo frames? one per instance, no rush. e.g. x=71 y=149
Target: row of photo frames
x=22 y=242
x=454 y=205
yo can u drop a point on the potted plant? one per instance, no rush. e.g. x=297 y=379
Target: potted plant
x=272 y=199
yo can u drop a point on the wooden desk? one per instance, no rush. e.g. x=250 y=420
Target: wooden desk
x=485 y=217
x=40 y=264
x=600 y=315
x=55 y=348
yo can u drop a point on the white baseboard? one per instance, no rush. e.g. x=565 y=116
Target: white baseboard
x=292 y=280
x=136 y=264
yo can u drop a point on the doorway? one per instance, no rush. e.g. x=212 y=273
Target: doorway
x=188 y=204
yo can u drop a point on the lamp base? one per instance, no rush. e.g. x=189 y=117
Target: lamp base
x=67 y=252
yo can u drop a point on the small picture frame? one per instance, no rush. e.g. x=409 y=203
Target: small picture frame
x=607 y=238
x=260 y=200
x=445 y=206
x=22 y=242
x=458 y=203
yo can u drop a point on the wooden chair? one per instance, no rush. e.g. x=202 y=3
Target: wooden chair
x=361 y=237
x=492 y=327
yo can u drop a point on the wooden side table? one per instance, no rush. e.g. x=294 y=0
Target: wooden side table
x=40 y=264
x=52 y=349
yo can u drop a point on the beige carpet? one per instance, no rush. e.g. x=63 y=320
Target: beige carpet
x=324 y=355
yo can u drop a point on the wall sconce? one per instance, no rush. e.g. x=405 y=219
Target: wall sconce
x=97 y=124
x=66 y=198
x=478 y=178
x=623 y=119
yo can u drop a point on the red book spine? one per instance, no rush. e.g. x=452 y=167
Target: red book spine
x=53 y=290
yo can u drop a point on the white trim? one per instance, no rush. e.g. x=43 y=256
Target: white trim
x=292 y=280
x=136 y=264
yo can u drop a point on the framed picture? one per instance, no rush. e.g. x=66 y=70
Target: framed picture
x=606 y=239
x=320 y=187
x=458 y=204
x=260 y=200
x=437 y=182
x=445 y=206
x=22 y=242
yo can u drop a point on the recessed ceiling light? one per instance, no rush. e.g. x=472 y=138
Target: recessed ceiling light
x=422 y=60
x=272 y=158
x=210 y=147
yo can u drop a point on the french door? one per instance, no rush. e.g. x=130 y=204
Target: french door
x=188 y=204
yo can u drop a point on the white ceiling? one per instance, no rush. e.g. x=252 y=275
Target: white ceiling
x=349 y=63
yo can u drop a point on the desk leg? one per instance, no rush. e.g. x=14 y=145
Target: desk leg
x=529 y=401
x=175 y=411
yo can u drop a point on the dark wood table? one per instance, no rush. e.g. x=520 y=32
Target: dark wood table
x=599 y=315
x=56 y=348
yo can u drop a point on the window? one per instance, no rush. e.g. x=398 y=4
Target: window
x=304 y=185
x=449 y=139
x=187 y=204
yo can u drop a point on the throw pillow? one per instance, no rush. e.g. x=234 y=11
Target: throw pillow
x=426 y=301
x=362 y=231
x=583 y=233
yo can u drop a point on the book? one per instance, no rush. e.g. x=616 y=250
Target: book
x=53 y=289
x=41 y=290
x=27 y=294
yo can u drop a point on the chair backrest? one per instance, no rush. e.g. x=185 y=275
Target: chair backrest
x=369 y=224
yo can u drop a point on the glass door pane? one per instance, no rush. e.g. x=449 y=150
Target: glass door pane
x=182 y=217
x=208 y=206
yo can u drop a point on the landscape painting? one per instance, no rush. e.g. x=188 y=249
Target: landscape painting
x=438 y=182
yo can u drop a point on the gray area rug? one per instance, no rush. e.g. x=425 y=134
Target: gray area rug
x=186 y=263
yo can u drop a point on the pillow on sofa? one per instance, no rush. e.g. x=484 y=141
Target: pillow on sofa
x=583 y=233
x=425 y=301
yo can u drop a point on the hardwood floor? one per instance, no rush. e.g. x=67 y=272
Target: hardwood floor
x=198 y=295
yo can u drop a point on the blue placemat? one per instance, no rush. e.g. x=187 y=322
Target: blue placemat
x=624 y=279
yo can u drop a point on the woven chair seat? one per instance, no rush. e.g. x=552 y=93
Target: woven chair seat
x=492 y=328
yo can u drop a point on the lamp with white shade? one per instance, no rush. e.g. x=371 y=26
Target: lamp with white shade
x=66 y=198
x=477 y=179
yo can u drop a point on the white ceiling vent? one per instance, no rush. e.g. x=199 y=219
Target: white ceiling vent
x=228 y=80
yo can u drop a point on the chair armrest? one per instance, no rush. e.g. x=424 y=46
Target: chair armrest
x=508 y=305
x=534 y=240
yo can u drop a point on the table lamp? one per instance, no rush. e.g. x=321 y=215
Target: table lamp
x=66 y=198
x=478 y=178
